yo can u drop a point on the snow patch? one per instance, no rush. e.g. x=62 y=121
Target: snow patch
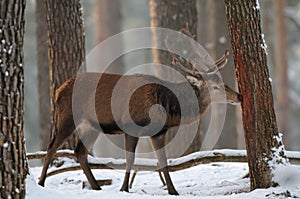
x=287 y=176
x=215 y=180
x=264 y=45
x=278 y=153
x=222 y=40
x=257 y=6
x=174 y=17
x=5 y=145
x=10 y=49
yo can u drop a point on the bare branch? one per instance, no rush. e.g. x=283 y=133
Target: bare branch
x=151 y=165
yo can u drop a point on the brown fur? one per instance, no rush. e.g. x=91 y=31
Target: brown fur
x=152 y=92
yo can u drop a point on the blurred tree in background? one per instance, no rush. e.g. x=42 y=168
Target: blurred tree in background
x=213 y=35
x=43 y=74
x=174 y=15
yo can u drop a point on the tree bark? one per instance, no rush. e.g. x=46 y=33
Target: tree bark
x=43 y=74
x=281 y=68
x=260 y=127
x=66 y=49
x=13 y=161
x=174 y=15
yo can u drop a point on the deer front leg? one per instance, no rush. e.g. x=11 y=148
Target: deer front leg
x=130 y=146
x=158 y=143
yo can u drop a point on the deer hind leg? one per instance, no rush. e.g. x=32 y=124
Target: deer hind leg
x=130 y=146
x=64 y=132
x=88 y=136
x=158 y=143
x=81 y=154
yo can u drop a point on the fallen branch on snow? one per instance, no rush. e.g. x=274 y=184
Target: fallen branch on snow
x=142 y=164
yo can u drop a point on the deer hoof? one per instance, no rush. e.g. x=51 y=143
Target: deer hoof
x=124 y=189
x=41 y=184
x=174 y=192
x=97 y=188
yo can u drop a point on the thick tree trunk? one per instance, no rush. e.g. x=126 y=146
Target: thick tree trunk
x=43 y=74
x=281 y=67
x=261 y=132
x=174 y=15
x=66 y=49
x=13 y=162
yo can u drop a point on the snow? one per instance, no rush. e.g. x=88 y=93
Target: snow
x=174 y=17
x=257 y=6
x=264 y=44
x=10 y=49
x=214 y=180
x=222 y=40
x=5 y=145
x=277 y=152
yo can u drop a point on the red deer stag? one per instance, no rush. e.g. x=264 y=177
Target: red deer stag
x=141 y=102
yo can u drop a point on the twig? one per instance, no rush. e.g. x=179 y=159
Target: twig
x=132 y=179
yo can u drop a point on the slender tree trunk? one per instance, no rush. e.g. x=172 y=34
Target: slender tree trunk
x=43 y=74
x=281 y=67
x=261 y=132
x=66 y=49
x=107 y=15
x=174 y=15
x=13 y=161
x=214 y=36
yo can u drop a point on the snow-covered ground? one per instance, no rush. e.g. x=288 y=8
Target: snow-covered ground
x=214 y=180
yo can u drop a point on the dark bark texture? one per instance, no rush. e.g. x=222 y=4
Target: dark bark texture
x=261 y=131
x=13 y=161
x=66 y=49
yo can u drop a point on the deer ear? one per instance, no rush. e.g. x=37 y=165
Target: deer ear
x=193 y=80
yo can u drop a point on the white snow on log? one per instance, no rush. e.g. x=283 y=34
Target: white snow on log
x=202 y=154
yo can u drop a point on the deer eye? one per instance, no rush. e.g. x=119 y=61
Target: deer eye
x=215 y=88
